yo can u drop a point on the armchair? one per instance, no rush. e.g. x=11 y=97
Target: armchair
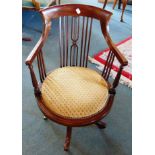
x=74 y=95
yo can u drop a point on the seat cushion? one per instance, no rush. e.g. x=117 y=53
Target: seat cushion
x=74 y=92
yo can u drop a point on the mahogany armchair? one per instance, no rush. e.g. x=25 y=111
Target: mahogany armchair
x=74 y=95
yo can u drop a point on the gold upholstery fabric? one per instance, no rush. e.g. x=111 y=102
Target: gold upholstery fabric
x=74 y=92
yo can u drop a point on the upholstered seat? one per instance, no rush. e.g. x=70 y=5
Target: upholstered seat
x=74 y=92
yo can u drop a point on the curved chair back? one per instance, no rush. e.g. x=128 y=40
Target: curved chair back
x=75 y=28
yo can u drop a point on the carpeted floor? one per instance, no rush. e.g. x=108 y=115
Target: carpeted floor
x=47 y=138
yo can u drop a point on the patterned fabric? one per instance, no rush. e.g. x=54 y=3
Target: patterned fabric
x=29 y=3
x=74 y=92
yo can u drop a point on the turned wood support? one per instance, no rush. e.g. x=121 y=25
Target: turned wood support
x=117 y=78
x=101 y=124
x=68 y=138
x=34 y=81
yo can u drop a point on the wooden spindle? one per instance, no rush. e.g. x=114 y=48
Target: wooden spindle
x=60 y=40
x=34 y=80
x=82 y=38
x=88 y=46
x=41 y=66
x=85 y=43
x=108 y=65
x=66 y=30
x=116 y=81
x=63 y=38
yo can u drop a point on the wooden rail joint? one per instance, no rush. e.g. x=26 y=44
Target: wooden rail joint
x=37 y=92
x=112 y=91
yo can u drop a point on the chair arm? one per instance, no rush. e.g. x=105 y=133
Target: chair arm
x=122 y=60
x=29 y=62
x=34 y=52
x=39 y=45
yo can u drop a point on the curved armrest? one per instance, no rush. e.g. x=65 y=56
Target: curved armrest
x=34 y=52
x=39 y=44
x=123 y=61
x=37 y=52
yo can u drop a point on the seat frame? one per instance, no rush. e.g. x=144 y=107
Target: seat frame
x=70 y=10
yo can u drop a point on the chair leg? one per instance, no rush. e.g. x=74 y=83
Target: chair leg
x=68 y=138
x=119 y=4
x=123 y=9
x=105 y=3
x=45 y=118
x=115 y=2
x=101 y=124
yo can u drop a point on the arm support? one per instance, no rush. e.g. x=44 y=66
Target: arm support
x=39 y=45
x=123 y=61
x=37 y=52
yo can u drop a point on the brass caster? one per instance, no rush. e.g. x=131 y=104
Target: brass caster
x=121 y=20
x=45 y=118
x=66 y=146
x=101 y=125
x=68 y=138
